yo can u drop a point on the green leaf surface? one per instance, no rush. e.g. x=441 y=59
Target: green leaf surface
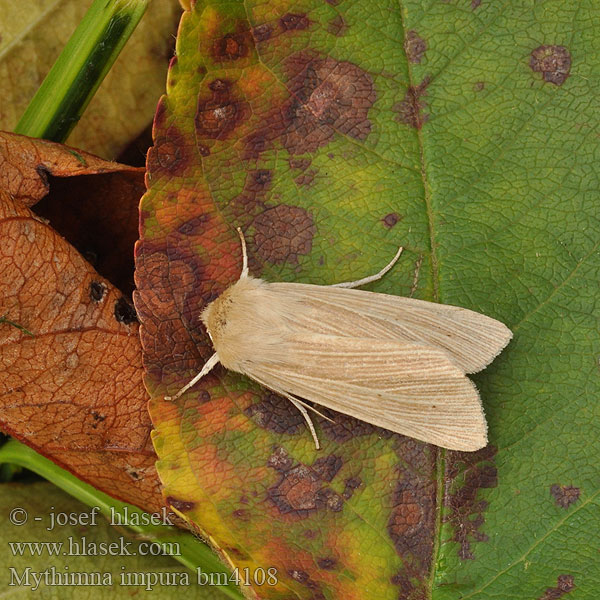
x=332 y=132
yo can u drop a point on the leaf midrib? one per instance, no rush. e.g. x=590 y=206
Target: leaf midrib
x=441 y=453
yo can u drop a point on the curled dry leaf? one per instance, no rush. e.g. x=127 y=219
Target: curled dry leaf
x=26 y=163
x=73 y=391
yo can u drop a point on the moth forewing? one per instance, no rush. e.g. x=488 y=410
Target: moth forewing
x=472 y=339
x=394 y=362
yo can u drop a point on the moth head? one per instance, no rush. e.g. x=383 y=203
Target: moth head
x=226 y=310
x=214 y=316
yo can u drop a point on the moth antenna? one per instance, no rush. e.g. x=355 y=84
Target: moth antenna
x=210 y=363
x=370 y=278
x=244 y=253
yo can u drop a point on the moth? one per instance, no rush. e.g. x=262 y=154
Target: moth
x=394 y=362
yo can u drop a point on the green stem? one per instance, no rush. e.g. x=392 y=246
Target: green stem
x=79 y=70
x=191 y=552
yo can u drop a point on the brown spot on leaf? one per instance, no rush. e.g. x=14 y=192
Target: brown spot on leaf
x=232 y=46
x=300 y=489
x=331 y=499
x=466 y=474
x=169 y=153
x=326 y=96
x=283 y=233
x=250 y=202
x=296 y=490
x=194 y=226
x=218 y=115
x=410 y=110
x=298 y=575
x=124 y=312
x=307 y=178
x=97 y=291
x=391 y=219
x=180 y=505
x=328 y=563
x=276 y=414
x=564 y=495
x=564 y=585
x=203 y=396
x=261 y=179
x=414 y=46
x=171 y=274
x=304 y=578
x=411 y=523
x=280 y=460
x=262 y=32
x=405 y=583
x=352 y=484
x=294 y=22
x=411 y=520
x=554 y=62
x=299 y=163
x=337 y=26
x=478 y=86
x=475 y=4
x=327 y=467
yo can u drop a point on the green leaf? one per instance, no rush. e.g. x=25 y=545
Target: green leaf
x=332 y=132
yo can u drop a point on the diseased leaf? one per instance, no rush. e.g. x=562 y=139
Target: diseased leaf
x=331 y=133
x=73 y=390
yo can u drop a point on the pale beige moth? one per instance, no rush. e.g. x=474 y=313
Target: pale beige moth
x=394 y=362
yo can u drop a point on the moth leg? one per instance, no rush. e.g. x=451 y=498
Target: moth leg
x=370 y=278
x=210 y=363
x=312 y=408
x=297 y=403
x=244 y=254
